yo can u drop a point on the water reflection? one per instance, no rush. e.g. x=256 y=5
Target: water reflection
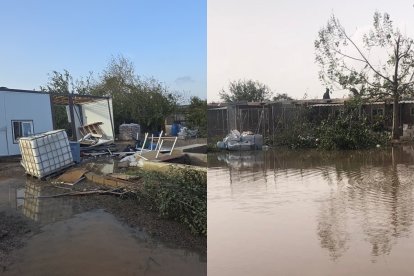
x=71 y=237
x=44 y=210
x=354 y=197
x=28 y=200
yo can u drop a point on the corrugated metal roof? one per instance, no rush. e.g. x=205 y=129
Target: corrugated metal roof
x=317 y=105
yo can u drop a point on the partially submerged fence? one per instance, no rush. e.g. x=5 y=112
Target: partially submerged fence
x=271 y=119
x=265 y=119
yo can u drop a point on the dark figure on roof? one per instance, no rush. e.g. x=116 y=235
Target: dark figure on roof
x=326 y=95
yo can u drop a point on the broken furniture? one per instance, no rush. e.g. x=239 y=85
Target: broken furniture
x=94 y=129
x=93 y=136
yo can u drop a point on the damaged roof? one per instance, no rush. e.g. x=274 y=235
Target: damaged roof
x=60 y=99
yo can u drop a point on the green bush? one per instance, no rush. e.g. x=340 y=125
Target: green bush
x=346 y=129
x=350 y=130
x=180 y=194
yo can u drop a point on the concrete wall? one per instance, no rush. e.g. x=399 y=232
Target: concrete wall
x=22 y=106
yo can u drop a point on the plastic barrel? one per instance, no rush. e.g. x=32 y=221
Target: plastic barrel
x=75 y=149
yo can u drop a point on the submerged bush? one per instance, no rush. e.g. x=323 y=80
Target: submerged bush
x=299 y=132
x=346 y=129
x=347 y=132
x=180 y=194
x=350 y=129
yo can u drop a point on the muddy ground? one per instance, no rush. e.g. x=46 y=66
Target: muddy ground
x=15 y=229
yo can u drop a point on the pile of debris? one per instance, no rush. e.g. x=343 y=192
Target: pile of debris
x=129 y=132
x=151 y=153
x=408 y=132
x=187 y=133
x=93 y=135
x=244 y=141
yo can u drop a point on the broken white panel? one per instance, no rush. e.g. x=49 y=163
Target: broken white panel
x=99 y=111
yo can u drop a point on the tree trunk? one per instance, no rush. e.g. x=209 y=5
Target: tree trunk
x=395 y=117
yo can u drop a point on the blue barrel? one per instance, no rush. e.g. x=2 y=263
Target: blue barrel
x=175 y=128
x=75 y=149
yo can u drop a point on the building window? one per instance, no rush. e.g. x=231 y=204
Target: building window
x=377 y=112
x=412 y=111
x=21 y=129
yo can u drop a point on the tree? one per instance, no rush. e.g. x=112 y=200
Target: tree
x=135 y=100
x=197 y=115
x=246 y=90
x=381 y=66
x=63 y=83
x=282 y=97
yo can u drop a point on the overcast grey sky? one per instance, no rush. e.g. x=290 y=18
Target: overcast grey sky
x=273 y=41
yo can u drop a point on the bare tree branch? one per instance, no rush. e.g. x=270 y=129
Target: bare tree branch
x=362 y=55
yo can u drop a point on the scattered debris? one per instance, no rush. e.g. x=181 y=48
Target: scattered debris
x=129 y=132
x=187 y=133
x=244 y=141
x=71 y=177
x=123 y=164
x=124 y=176
x=118 y=192
x=93 y=129
x=93 y=136
x=408 y=132
x=150 y=154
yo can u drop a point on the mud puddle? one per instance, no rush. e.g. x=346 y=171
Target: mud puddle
x=95 y=243
x=40 y=236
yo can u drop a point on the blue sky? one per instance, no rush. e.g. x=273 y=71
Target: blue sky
x=166 y=40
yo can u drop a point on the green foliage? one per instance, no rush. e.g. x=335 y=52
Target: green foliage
x=349 y=130
x=345 y=129
x=196 y=117
x=350 y=64
x=134 y=100
x=300 y=133
x=246 y=90
x=180 y=194
x=282 y=97
x=146 y=102
x=63 y=83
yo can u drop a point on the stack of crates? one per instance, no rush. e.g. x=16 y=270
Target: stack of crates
x=45 y=153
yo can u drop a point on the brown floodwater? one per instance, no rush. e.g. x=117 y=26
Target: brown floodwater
x=75 y=241
x=311 y=213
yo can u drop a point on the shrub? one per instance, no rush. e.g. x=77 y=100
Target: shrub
x=349 y=130
x=180 y=194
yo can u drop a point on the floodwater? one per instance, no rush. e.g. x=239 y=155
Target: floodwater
x=311 y=213
x=73 y=241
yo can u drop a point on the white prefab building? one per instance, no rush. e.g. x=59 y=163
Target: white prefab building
x=22 y=113
x=25 y=112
